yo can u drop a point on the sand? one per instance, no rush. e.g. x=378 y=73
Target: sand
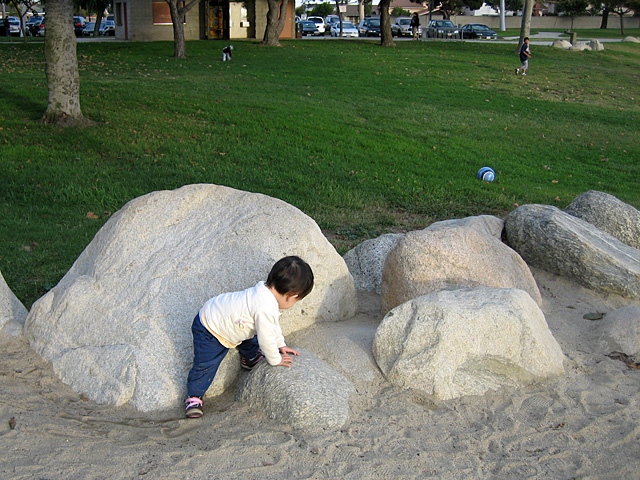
x=585 y=424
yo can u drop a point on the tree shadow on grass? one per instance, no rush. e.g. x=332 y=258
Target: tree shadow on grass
x=24 y=104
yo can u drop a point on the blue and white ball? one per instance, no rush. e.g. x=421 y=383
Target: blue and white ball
x=486 y=174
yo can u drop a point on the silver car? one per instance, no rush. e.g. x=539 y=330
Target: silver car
x=348 y=29
x=402 y=27
x=442 y=29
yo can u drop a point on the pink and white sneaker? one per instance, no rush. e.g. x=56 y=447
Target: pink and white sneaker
x=193 y=407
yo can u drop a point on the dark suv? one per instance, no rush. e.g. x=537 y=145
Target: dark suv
x=442 y=29
x=369 y=27
x=78 y=24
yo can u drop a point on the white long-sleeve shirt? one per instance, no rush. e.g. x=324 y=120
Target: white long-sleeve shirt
x=237 y=316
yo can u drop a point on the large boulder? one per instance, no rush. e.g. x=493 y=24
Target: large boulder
x=563 y=44
x=631 y=39
x=619 y=331
x=366 y=260
x=117 y=326
x=450 y=256
x=310 y=395
x=596 y=45
x=609 y=214
x=12 y=312
x=560 y=243
x=466 y=342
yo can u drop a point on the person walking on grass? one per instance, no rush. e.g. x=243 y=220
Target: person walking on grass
x=415 y=25
x=249 y=321
x=525 y=55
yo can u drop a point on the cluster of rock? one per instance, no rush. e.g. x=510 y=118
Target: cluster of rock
x=566 y=245
x=459 y=319
x=462 y=307
x=593 y=45
x=463 y=312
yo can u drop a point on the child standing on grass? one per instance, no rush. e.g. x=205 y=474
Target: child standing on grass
x=248 y=321
x=525 y=55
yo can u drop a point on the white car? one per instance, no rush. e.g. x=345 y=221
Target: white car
x=14 y=27
x=319 y=21
x=348 y=29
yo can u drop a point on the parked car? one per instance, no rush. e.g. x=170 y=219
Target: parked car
x=108 y=28
x=14 y=27
x=79 y=23
x=88 y=29
x=402 y=27
x=369 y=27
x=348 y=29
x=319 y=21
x=442 y=29
x=30 y=23
x=475 y=30
x=37 y=29
x=329 y=20
x=307 y=27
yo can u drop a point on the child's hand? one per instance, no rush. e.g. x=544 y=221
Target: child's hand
x=287 y=361
x=285 y=349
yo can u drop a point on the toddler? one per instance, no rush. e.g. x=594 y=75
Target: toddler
x=246 y=320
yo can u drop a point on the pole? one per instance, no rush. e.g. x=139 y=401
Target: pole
x=503 y=21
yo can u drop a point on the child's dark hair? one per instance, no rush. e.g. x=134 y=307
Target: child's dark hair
x=291 y=275
x=525 y=39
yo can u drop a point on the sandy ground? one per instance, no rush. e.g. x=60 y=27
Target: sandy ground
x=583 y=425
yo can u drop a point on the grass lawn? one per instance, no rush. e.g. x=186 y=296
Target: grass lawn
x=364 y=140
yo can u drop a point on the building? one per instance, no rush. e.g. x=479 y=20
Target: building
x=149 y=20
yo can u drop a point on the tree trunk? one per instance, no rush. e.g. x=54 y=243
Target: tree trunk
x=360 y=9
x=63 y=78
x=605 y=18
x=386 y=37
x=525 y=27
x=177 y=19
x=621 y=14
x=340 y=17
x=96 y=30
x=276 y=18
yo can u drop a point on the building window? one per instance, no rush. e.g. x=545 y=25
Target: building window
x=162 y=14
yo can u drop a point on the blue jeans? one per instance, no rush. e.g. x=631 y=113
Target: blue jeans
x=208 y=354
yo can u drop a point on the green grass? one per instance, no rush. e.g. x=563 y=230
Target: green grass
x=364 y=140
